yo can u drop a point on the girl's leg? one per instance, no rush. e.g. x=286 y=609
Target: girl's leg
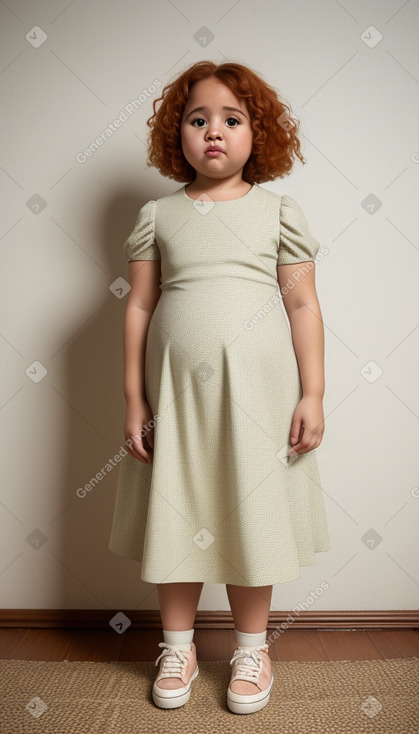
x=250 y=606
x=178 y=604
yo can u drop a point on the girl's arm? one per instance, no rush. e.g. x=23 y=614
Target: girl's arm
x=306 y=323
x=144 y=278
x=304 y=314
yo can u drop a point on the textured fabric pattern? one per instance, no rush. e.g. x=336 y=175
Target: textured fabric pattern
x=221 y=502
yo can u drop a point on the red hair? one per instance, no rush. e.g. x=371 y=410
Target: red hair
x=275 y=141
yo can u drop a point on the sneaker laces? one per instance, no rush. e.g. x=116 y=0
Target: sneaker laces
x=248 y=662
x=173 y=661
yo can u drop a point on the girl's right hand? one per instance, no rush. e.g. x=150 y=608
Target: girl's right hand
x=140 y=438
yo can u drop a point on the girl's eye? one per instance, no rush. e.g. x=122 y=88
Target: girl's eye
x=200 y=119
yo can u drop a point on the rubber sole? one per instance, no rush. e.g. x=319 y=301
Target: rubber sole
x=177 y=699
x=248 y=704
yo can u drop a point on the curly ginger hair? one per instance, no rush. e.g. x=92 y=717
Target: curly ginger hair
x=275 y=140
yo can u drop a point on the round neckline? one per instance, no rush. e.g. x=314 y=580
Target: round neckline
x=225 y=201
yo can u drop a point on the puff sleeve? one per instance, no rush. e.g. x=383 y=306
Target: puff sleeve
x=296 y=243
x=141 y=244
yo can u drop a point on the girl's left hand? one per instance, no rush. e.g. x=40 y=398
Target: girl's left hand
x=307 y=425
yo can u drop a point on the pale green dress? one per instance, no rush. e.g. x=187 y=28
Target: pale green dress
x=220 y=501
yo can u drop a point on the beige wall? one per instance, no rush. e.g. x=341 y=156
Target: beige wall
x=63 y=226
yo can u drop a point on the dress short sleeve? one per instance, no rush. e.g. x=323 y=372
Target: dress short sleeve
x=296 y=243
x=141 y=244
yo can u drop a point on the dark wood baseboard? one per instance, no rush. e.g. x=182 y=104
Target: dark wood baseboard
x=150 y=619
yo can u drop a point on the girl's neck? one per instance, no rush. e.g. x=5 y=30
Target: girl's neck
x=217 y=192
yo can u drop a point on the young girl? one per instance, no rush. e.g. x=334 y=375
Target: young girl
x=223 y=400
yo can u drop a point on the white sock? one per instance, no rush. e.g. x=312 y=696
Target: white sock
x=178 y=637
x=249 y=639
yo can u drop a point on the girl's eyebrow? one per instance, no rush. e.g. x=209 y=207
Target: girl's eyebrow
x=202 y=109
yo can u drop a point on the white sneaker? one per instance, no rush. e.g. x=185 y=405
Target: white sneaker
x=178 y=668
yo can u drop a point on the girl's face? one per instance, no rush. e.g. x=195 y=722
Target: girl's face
x=228 y=129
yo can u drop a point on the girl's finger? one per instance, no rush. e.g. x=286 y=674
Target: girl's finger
x=138 y=451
